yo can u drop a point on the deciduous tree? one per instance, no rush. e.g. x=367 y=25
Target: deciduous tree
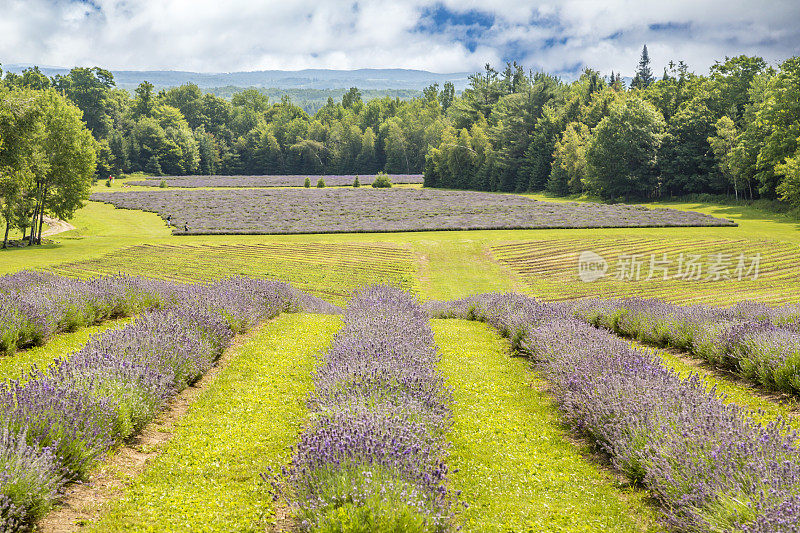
x=621 y=153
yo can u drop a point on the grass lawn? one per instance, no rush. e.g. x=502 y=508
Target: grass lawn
x=516 y=468
x=208 y=476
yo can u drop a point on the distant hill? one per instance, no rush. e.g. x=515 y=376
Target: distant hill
x=321 y=79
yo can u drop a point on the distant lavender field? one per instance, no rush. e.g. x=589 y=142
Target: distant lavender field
x=270 y=181
x=264 y=211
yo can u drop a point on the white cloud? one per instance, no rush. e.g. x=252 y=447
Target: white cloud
x=214 y=36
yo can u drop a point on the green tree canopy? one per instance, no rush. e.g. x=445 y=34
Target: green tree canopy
x=621 y=154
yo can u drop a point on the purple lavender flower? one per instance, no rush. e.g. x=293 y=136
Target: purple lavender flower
x=760 y=342
x=57 y=424
x=375 y=447
x=712 y=467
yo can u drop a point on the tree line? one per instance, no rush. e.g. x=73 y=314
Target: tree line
x=184 y=131
x=733 y=131
x=58 y=133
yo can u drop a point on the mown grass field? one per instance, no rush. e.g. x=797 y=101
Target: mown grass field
x=637 y=266
x=499 y=400
x=331 y=271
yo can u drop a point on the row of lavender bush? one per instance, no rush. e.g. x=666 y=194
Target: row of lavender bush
x=759 y=342
x=711 y=466
x=373 y=453
x=35 y=305
x=296 y=180
x=57 y=424
x=348 y=210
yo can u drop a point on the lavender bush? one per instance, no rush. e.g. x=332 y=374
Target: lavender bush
x=30 y=478
x=55 y=425
x=267 y=181
x=711 y=466
x=373 y=455
x=34 y=305
x=264 y=211
x=762 y=343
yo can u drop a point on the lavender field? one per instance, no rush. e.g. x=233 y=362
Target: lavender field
x=709 y=464
x=375 y=450
x=254 y=211
x=59 y=422
x=374 y=447
x=298 y=180
x=399 y=267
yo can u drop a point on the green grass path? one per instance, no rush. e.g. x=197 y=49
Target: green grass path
x=61 y=345
x=517 y=469
x=207 y=477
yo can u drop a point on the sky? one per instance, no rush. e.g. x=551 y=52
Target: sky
x=444 y=36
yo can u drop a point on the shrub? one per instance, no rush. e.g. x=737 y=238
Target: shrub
x=382 y=181
x=163 y=184
x=320 y=183
x=356 y=183
x=307 y=183
x=372 y=458
x=711 y=465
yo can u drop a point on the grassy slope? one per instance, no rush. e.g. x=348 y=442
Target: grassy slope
x=99 y=228
x=14 y=366
x=207 y=478
x=517 y=469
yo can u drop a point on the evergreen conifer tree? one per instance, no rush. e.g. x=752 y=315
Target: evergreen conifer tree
x=153 y=167
x=644 y=74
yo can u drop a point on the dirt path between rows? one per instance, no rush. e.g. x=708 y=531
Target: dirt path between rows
x=56 y=226
x=83 y=502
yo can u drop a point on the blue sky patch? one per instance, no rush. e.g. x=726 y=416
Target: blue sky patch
x=675 y=27
x=465 y=27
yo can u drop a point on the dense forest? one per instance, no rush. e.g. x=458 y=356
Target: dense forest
x=184 y=131
x=733 y=131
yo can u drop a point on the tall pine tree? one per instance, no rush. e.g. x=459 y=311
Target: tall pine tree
x=644 y=75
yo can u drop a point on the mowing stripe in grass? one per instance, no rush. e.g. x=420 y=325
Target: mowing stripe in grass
x=58 y=346
x=516 y=468
x=765 y=406
x=207 y=478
